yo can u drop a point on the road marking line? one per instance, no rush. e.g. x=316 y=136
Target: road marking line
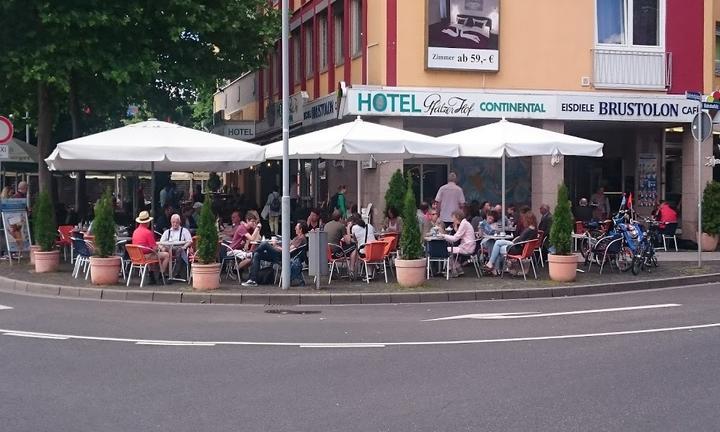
x=342 y=345
x=515 y=315
x=171 y=343
x=35 y=335
x=3 y=307
x=363 y=345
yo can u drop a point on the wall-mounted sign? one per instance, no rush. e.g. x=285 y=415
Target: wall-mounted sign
x=320 y=110
x=243 y=130
x=497 y=104
x=463 y=34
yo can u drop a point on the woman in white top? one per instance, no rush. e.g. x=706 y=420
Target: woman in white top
x=362 y=233
x=465 y=233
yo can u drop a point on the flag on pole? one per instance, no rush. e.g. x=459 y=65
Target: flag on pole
x=622 y=203
x=629 y=201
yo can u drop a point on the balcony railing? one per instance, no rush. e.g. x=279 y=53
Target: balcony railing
x=638 y=70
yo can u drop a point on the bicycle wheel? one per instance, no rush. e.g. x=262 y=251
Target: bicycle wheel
x=585 y=247
x=624 y=259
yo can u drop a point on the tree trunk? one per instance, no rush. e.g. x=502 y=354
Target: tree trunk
x=80 y=183
x=44 y=135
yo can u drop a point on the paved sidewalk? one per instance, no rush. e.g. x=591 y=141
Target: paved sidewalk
x=670 y=272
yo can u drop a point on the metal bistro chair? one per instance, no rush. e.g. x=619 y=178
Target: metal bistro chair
x=337 y=258
x=528 y=252
x=665 y=233
x=437 y=251
x=83 y=251
x=297 y=254
x=65 y=241
x=230 y=263
x=140 y=262
x=120 y=252
x=538 y=250
x=374 y=256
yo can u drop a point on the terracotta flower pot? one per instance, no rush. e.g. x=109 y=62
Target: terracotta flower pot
x=709 y=242
x=563 y=268
x=104 y=271
x=410 y=273
x=206 y=276
x=46 y=262
x=33 y=249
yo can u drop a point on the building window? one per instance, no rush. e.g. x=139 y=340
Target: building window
x=717 y=48
x=356 y=27
x=308 y=51
x=637 y=23
x=277 y=65
x=338 y=17
x=323 y=42
x=297 y=69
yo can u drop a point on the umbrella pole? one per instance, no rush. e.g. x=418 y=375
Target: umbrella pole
x=152 y=188
x=359 y=186
x=504 y=212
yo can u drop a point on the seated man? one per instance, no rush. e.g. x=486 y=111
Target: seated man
x=337 y=235
x=178 y=233
x=143 y=236
x=272 y=252
x=246 y=233
x=583 y=212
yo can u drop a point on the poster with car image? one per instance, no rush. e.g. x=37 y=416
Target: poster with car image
x=463 y=34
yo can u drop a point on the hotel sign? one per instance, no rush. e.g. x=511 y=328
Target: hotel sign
x=242 y=130
x=475 y=104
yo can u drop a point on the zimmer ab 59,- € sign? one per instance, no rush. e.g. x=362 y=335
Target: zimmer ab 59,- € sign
x=6 y=134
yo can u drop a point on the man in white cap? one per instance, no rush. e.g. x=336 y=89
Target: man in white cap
x=143 y=236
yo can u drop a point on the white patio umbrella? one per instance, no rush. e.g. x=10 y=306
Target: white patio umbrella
x=505 y=138
x=359 y=140
x=154 y=146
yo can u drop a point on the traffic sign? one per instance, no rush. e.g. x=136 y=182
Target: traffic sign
x=6 y=130
x=696 y=96
x=711 y=105
x=706 y=129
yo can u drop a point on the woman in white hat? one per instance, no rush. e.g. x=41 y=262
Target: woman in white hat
x=143 y=236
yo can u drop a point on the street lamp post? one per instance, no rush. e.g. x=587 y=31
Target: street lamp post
x=285 y=159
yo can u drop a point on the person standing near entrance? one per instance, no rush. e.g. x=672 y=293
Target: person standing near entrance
x=602 y=211
x=274 y=208
x=449 y=198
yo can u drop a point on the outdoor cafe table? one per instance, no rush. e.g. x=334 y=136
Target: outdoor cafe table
x=174 y=244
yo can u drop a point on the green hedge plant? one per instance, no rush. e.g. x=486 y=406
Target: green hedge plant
x=395 y=195
x=410 y=241
x=44 y=227
x=711 y=209
x=207 y=243
x=562 y=226
x=104 y=227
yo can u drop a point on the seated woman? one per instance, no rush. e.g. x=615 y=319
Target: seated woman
x=272 y=252
x=361 y=233
x=503 y=247
x=488 y=227
x=465 y=234
x=393 y=223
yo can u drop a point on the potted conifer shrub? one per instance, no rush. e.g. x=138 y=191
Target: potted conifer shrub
x=710 y=216
x=104 y=264
x=205 y=268
x=395 y=195
x=47 y=259
x=562 y=263
x=410 y=265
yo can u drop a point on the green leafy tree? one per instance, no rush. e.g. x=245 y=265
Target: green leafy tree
x=207 y=234
x=395 y=195
x=562 y=226
x=711 y=208
x=410 y=241
x=157 y=53
x=104 y=226
x=44 y=227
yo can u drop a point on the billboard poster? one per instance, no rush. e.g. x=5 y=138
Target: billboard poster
x=16 y=230
x=463 y=34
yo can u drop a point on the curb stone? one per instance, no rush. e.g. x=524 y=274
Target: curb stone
x=315 y=298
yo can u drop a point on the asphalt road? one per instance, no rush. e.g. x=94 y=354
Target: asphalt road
x=640 y=361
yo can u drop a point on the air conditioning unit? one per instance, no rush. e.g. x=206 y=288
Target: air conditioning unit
x=368 y=164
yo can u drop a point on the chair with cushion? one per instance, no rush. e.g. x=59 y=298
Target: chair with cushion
x=528 y=251
x=65 y=241
x=437 y=251
x=83 y=252
x=139 y=261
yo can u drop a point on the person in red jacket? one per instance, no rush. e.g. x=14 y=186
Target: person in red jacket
x=666 y=215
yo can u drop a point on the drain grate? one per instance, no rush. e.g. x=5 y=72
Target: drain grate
x=291 y=312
